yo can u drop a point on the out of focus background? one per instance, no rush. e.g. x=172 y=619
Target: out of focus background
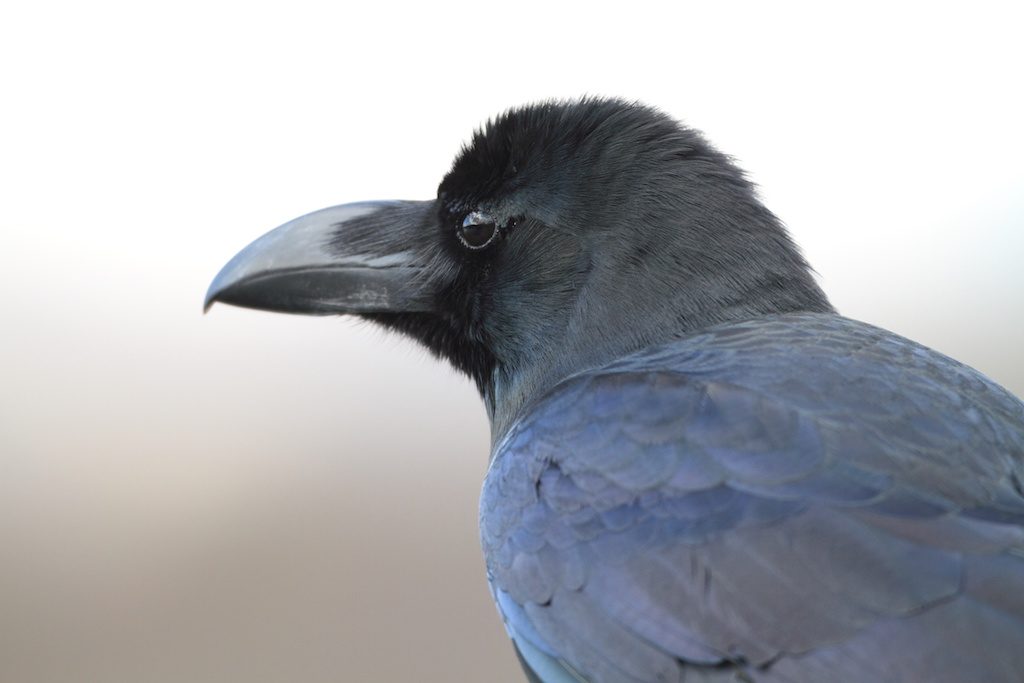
x=253 y=497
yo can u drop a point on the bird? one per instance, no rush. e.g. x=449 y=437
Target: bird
x=699 y=470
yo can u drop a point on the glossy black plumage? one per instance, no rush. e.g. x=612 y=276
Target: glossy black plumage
x=799 y=497
x=700 y=472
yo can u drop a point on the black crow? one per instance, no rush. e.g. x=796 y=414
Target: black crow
x=699 y=470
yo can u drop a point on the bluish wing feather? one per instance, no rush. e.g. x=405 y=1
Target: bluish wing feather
x=795 y=498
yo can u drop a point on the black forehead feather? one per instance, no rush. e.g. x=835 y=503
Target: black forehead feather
x=592 y=135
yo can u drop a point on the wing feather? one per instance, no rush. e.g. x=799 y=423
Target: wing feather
x=782 y=498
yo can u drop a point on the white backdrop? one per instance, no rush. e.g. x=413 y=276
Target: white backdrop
x=255 y=497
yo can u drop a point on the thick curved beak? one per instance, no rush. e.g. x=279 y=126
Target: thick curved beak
x=368 y=257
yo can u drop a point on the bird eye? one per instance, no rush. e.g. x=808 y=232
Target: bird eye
x=478 y=230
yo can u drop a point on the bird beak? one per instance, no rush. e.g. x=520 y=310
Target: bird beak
x=354 y=258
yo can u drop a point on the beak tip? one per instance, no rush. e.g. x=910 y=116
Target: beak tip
x=211 y=295
x=222 y=282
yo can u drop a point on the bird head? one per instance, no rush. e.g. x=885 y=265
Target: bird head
x=566 y=234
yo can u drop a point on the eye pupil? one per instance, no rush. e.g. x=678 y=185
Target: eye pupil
x=478 y=230
x=478 y=235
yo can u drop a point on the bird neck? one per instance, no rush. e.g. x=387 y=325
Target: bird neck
x=592 y=335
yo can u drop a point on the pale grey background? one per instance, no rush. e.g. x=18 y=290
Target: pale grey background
x=254 y=497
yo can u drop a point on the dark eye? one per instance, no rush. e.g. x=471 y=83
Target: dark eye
x=478 y=230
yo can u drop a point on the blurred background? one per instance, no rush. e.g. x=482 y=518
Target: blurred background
x=255 y=497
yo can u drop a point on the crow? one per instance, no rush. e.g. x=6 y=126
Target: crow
x=699 y=471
